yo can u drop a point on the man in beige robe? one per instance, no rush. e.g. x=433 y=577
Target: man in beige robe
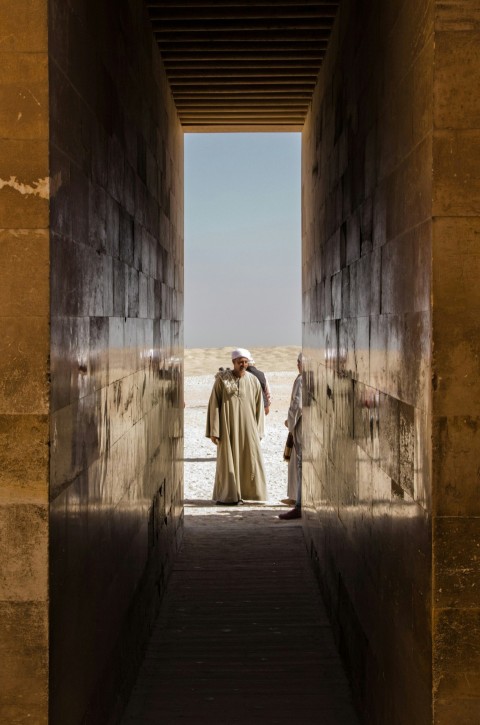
x=235 y=423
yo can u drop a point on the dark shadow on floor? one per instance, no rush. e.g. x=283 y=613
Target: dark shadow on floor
x=242 y=637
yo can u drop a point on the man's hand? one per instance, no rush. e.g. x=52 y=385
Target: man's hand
x=267 y=410
x=214 y=439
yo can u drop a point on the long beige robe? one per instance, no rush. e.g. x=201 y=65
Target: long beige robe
x=294 y=418
x=236 y=416
x=294 y=415
x=292 y=477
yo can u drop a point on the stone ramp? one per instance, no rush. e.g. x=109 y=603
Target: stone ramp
x=242 y=637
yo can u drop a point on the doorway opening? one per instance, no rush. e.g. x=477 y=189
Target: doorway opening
x=242 y=285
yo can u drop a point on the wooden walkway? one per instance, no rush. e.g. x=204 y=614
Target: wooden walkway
x=242 y=637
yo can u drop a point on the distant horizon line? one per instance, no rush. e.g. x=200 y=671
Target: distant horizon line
x=233 y=347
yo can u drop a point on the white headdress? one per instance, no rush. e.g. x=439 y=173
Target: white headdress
x=240 y=352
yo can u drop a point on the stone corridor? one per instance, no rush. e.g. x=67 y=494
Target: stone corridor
x=242 y=637
x=96 y=100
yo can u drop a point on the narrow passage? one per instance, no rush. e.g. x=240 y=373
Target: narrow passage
x=242 y=637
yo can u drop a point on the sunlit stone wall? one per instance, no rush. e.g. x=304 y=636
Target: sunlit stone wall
x=24 y=352
x=456 y=363
x=367 y=246
x=116 y=214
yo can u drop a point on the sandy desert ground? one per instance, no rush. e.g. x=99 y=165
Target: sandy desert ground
x=279 y=364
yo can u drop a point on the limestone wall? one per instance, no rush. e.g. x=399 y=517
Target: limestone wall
x=116 y=216
x=24 y=354
x=367 y=242
x=390 y=241
x=456 y=363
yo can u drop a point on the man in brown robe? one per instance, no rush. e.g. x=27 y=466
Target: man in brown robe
x=235 y=422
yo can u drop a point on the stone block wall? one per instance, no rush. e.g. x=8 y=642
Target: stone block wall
x=456 y=363
x=116 y=310
x=91 y=337
x=391 y=199
x=24 y=361
x=367 y=241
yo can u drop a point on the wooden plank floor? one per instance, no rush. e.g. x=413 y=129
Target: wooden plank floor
x=242 y=637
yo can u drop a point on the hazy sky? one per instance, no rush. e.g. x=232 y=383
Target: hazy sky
x=242 y=239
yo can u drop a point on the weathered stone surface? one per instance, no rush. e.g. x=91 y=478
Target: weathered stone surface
x=24 y=283
x=24 y=26
x=23 y=365
x=24 y=551
x=455 y=364
x=367 y=479
x=457 y=104
x=24 y=184
x=23 y=95
x=390 y=163
x=25 y=457
x=24 y=352
x=457 y=553
x=116 y=215
x=456 y=173
x=24 y=662
x=456 y=653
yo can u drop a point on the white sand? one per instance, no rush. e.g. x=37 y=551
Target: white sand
x=279 y=364
x=206 y=361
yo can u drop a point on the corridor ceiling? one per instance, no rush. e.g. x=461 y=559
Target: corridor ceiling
x=242 y=65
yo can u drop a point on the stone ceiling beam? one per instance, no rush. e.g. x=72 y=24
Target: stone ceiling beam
x=232 y=62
